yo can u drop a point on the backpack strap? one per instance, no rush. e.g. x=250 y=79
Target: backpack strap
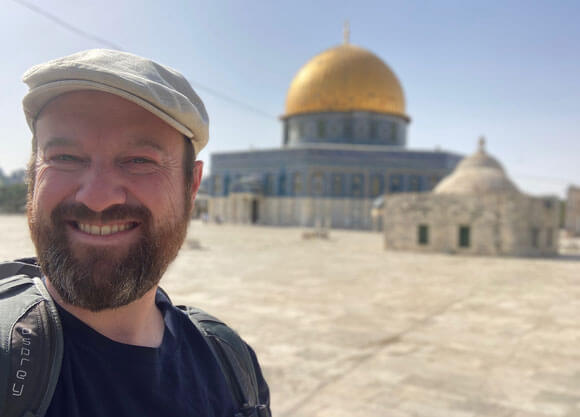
x=30 y=338
x=238 y=363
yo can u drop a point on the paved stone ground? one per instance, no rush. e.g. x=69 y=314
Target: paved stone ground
x=343 y=328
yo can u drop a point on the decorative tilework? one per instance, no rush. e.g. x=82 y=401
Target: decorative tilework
x=345 y=127
x=403 y=169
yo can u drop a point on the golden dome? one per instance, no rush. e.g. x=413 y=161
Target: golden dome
x=345 y=78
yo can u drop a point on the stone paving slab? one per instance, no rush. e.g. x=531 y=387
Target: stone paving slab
x=344 y=328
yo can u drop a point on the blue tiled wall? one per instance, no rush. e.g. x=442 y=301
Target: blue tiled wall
x=277 y=168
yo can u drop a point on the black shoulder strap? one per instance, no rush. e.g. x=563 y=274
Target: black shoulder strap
x=238 y=363
x=30 y=338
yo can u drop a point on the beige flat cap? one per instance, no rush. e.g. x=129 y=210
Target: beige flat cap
x=157 y=88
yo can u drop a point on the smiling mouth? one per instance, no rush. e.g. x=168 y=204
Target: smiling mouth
x=103 y=230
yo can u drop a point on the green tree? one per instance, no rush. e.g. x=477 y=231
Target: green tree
x=13 y=198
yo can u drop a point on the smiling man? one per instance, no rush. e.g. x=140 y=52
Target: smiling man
x=112 y=182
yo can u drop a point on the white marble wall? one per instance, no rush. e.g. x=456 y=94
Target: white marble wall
x=344 y=213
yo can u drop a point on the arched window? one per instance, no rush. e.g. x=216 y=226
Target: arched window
x=321 y=129
x=282 y=184
x=296 y=183
x=396 y=183
x=294 y=131
x=356 y=185
x=361 y=130
x=301 y=129
x=415 y=183
x=337 y=185
x=317 y=184
x=310 y=129
x=347 y=129
x=376 y=185
x=226 y=190
x=269 y=184
x=373 y=130
x=385 y=131
x=334 y=129
x=433 y=180
x=393 y=134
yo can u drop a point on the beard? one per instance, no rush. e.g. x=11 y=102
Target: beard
x=99 y=278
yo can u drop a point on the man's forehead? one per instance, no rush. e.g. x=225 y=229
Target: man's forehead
x=94 y=103
x=130 y=141
x=74 y=116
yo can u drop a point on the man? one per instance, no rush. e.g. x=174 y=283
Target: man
x=112 y=182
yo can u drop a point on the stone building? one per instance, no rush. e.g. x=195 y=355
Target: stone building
x=344 y=144
x=572 y=221
x=476 y=210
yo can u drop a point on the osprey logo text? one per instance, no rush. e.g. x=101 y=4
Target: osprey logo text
x=22 y=371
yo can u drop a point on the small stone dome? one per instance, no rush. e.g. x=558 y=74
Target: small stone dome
x=479 y=173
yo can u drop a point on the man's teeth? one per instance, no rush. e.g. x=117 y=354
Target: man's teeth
x=103 y=230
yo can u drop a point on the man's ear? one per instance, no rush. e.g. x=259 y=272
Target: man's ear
x=197 y=172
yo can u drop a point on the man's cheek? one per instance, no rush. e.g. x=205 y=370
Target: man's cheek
x=52 y=187
x=40 y=182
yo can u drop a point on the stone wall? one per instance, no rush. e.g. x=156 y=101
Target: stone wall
x=498 y=224
x=572 y=221
x=343 y=213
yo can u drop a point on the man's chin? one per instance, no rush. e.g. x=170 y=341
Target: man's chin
x=99 y=278
x=103 y=286
x=101 y=257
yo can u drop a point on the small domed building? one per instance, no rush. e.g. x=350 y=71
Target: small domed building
x=344 y=144
x=476 y=210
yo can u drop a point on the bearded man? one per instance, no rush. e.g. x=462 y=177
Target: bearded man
x=112 y=183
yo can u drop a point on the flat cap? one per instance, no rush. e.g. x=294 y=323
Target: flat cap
x=160 y=89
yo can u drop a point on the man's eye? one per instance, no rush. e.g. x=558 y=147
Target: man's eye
x=140 y=160
x=65 y=158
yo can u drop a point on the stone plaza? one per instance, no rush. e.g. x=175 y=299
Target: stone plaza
x=344 y=328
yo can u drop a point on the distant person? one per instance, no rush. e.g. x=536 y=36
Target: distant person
x=85 y=329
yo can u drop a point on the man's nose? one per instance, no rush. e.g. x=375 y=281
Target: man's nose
x=100 y=189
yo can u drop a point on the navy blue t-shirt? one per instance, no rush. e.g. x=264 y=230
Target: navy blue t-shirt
x=101 y=377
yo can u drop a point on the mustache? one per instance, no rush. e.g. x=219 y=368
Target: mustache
x=80 y=212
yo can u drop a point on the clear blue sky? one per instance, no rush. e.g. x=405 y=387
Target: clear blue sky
x=509 y=70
